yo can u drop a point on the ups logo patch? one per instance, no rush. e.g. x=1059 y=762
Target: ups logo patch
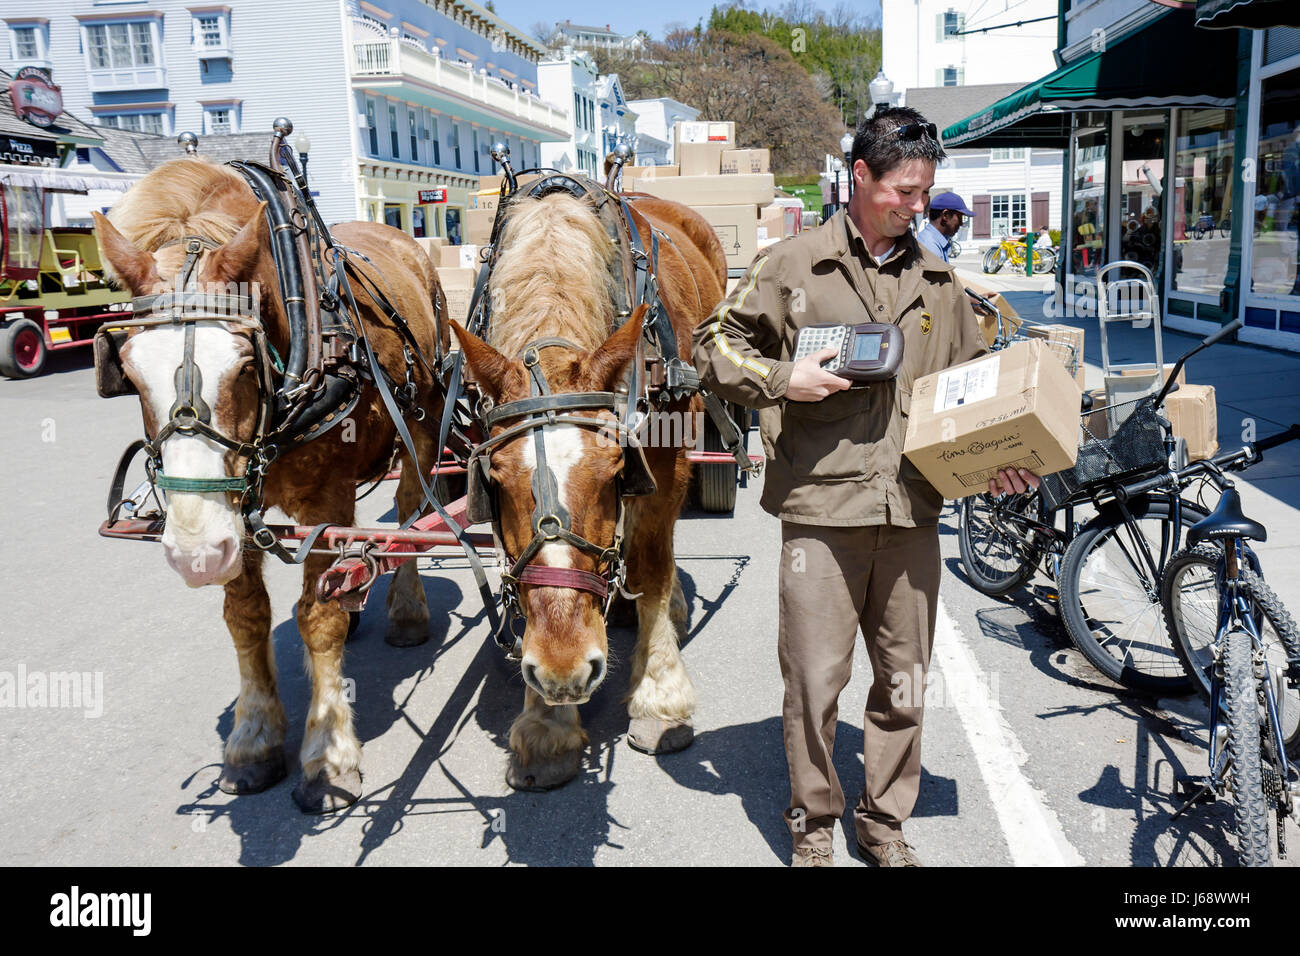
x=925 y=323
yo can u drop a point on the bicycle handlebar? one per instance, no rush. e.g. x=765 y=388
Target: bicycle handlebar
x=1233 y=460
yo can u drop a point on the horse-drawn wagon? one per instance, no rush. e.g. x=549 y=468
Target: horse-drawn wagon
x=288 y=364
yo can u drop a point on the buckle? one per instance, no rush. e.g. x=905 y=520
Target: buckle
x=264 y=538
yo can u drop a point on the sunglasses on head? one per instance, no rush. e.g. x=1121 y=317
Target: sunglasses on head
x=914 y=131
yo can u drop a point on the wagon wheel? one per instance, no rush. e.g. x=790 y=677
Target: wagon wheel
x=22 y=349
x=717 y=483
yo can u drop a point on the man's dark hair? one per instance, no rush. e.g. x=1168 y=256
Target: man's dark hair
x=877 y=141
x=933 y=213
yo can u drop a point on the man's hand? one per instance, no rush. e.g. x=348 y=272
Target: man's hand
x=1014 y=481
x=809 y=382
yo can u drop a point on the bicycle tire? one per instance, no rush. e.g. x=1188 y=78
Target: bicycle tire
x=976 y=540
x=1149 y=665
x=1191 y=615
x=1246 y=768
x=1046 y=261
x=954 y=250
x=994 y=260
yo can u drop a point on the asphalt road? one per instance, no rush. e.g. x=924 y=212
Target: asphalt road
x=1030 y=756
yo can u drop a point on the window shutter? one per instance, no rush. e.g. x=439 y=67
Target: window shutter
x=938 y=28
x=982 y=227
x=1040 y=203
x=961 y=76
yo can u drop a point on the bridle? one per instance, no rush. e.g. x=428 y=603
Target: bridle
x=189 y=413
x=550 y=521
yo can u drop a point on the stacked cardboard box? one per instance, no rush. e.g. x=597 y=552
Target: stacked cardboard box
x=1193 y=412
x=458 y=287
x=1067 y=343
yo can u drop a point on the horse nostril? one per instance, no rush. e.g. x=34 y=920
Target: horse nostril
x=530 y=675
x=597 y=674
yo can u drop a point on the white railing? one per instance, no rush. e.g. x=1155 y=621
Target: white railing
x=393 y=57
x=142 y=78
x=415 y=44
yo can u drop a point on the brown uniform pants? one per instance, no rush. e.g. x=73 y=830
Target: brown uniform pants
x=834 y=579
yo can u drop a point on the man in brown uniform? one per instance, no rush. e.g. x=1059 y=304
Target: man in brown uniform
x=859 y=523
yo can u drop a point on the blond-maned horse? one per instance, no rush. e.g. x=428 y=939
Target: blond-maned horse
x=204 y=535
x=552 y=279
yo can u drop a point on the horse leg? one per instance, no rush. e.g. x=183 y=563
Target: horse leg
x=331 y=753
x=408 y=611
x=546 y=745
x=254 y=752
x=678 y=610
x=661 y=700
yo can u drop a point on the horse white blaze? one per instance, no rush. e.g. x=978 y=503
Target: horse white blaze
x=203 y=534
x=564 y=449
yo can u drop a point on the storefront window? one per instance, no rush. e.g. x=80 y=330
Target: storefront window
x=24 y=219
x=1088 y=223
x=1277 y=189
x=1202 y=202
x=1142 y=167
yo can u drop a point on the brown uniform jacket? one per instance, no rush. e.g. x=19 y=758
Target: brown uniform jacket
x=838 y=461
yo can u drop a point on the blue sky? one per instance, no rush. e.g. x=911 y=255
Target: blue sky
x=628 y=18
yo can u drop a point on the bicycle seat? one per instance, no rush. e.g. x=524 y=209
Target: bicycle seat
x=1226 y=521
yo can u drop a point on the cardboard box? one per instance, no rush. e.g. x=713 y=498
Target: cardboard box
x=431 y=246
x=1149 y=370
x=649 y=172
x=737 y=229
x=700 y=159
x=755 y=189
x=1096 y=421
x=736 y=161
x=1011 y=321
x=703 y=132
x=1017 y=408
x=485 y=199
x=458 y=287
x=448 y=258
x=1067 y=342
x=1193 y=412
x=772 y=222
x=478 y=226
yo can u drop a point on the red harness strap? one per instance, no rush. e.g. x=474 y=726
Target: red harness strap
x=544 y=576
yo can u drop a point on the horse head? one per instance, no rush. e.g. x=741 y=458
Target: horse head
x=204 y=530
x=565 y=648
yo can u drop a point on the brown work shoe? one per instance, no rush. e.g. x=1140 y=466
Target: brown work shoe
x=893 y=853
x=812 y=856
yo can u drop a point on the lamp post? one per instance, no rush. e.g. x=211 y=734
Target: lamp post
x=302 y=143
x=882 y=90
x=846 y=147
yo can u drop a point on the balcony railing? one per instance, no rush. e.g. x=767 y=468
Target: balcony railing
x=143 y=78
x=394 y=58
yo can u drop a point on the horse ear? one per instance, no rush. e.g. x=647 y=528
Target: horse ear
x=606 y=365
x=131 y=266
x=236 y=258
x=488 y=366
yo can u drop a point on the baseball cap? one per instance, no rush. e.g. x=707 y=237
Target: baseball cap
x=950 y=200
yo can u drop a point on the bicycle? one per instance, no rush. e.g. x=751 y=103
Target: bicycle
x=1107 y=570
x=954 y=249
x=1012 y=251
x=1247 y=668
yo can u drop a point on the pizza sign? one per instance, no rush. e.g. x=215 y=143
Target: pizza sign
x=436 y=195
x=35 y=97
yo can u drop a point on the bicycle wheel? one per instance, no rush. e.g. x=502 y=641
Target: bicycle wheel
x=1246 y=769
x=1190 y=598
x=1044 y=261
x=1110 y=597
x=954 y=250
x=996 y=552
x=994 y=259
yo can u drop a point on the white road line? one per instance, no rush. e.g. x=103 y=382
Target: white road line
x=1032 y=831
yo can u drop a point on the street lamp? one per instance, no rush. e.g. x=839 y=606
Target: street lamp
x=302 y=143
x=846 y=147
x=882 y=90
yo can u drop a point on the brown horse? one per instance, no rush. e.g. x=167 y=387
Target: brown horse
x=551 y=279
x=204 y=535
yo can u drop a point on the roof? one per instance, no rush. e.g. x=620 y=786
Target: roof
x=123 y=147
x=65 y=127
x=219 y=149
x=945 y=105
x=575 y=28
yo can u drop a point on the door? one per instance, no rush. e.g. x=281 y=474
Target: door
x=1142 y=170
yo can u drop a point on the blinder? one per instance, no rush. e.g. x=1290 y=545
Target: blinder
x=110 y=377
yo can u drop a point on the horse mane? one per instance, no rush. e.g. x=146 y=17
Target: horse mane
x=552 y=276
x=188 y=196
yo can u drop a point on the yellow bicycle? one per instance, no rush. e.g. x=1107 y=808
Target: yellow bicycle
x=1012 y=251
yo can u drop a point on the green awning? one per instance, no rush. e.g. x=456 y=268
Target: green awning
x=1167 y=62
x=1248 y=14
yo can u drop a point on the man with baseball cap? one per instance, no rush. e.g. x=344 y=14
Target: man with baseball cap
x=946 y=210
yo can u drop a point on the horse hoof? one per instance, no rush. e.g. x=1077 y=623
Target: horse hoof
x=650 y=735
x=326 y=793
x=252 y=777
x=544 y=774
x=406 y=635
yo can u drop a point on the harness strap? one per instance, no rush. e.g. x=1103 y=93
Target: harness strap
x=549 y=577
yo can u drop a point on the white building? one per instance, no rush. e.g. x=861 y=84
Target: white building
x=934 y=43
x=569 y=77
x=951 y=58
x=601 y=37
x=617 y=118
x=654 y=128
